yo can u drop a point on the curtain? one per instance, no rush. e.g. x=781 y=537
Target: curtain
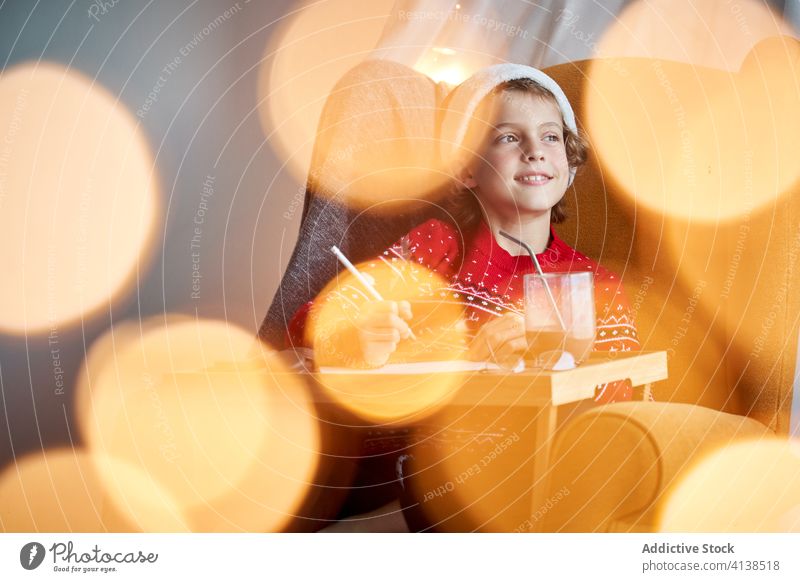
x=450 y=39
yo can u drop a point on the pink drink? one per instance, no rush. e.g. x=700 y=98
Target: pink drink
x=544 y=340
x=548 y=340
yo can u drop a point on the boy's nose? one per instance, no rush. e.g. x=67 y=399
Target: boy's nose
x=533 y=154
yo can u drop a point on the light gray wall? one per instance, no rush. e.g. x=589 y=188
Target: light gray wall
x=204 y=121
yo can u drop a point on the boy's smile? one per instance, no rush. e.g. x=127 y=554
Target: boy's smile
x=533 y=178
x=521 y=169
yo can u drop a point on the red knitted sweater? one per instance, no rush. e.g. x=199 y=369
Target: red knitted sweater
x=488 y=282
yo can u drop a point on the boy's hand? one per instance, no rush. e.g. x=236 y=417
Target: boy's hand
x=501 y=341
x=381 y=326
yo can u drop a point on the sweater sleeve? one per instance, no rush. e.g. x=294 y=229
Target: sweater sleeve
x=328 y=322
x=616 y=329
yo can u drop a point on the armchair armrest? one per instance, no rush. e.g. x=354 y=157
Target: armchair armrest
x=614 y=463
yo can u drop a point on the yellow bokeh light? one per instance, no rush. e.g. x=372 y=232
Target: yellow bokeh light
x=483 y=479
x=730 y=285
x=78 y=204
x=373 y=144
x=315 y=45
x=233 y=441
x=694 y=142
x=702 y=32
x=437 y=323
x=62 y=491
x=745 y=487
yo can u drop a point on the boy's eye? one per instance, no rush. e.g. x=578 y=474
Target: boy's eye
x=507 y=138
x=553 y=137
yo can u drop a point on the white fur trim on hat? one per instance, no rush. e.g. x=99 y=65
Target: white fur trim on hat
x=464 y=100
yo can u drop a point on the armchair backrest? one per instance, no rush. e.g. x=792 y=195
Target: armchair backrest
x=370 y=179
x=719 y=292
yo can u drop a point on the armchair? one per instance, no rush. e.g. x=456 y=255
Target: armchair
x=726 y=308
x=731 y=335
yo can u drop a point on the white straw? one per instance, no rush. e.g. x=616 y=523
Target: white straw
x=541 y=274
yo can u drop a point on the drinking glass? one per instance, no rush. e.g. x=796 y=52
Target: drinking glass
x=561 y=320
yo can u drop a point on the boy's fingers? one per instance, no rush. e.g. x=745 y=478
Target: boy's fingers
x=387 y=320
x=481 y=352
x=404 y=309
x=401 y=326
x=513 y=321
x=382 y=307
x=514 y=346
x=499 y=336
x=479 y=347
x=388 y=334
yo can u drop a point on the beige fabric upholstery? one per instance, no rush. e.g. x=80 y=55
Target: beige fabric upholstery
x=617 y=461
x=735 y=280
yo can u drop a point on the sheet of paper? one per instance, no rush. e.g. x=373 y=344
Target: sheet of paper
x=425 y=368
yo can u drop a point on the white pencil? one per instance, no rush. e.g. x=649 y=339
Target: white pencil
x=362 y=279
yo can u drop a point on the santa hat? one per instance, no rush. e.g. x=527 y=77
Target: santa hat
x=465 y=98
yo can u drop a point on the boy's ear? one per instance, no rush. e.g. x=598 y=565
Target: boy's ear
x=463 y=174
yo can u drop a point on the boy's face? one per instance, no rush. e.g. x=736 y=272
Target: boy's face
x=521 y=166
